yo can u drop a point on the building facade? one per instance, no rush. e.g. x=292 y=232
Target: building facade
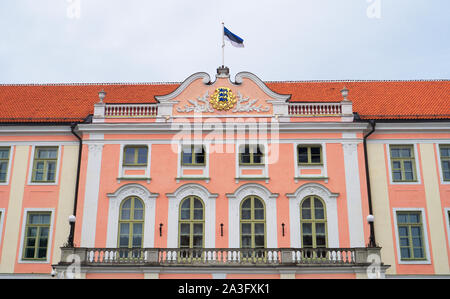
x=225 y=179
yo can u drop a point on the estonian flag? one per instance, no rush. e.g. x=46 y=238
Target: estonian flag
x=233 y=38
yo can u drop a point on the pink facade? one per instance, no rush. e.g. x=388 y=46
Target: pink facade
x=260 y=153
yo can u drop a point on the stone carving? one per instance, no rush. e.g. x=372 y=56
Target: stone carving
x=202 y=104
x=247 y=105
x=196 y=106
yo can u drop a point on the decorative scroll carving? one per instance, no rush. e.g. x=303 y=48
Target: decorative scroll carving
x=196 y=106
x=242 y=106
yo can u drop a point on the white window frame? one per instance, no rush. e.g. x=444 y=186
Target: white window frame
x=205 y=168
x=50 y=235
x=8 y=174
x=146 y=168
x=438 y=153
x=416 y=164
x=264 y=167
x=323 y=167
x=427 y=259
x=58 y=163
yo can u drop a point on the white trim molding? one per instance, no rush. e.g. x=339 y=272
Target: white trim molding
x=330 y=200
x=234 y=203
x=20 y=259
x=31 y=164
x=10 y=161
x=416 y=164
x=116 y=199
x=425 y=236
x=209 y=200
x=438 y=154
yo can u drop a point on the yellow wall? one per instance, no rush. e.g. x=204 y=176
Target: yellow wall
x=434 y=209
x=14 y=212
x=380 y=204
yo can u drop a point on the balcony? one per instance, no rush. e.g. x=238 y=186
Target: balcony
x=220 y=256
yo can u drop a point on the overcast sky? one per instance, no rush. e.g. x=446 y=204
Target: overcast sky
x=95 y=41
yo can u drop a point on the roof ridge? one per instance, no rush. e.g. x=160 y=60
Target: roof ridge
x=173 y=82
x=89 y=84
x=355 y=80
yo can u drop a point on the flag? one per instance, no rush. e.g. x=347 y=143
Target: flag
x=233 y=38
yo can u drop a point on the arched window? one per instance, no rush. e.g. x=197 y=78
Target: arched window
x=191 y=223
x=313 y=222
x=131 y=223
x=253 y=225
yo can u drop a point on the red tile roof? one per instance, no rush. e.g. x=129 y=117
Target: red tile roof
x=371 y=99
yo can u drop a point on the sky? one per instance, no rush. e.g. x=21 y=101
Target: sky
x=117 y=41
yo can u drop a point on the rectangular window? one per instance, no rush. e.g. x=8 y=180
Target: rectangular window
x=193 y=155
x=4 y=162
x=251 y=155
x=445 y=161
x=309 y=154
x=44 y=167
x=36 y=236
x=402 y=163
x=135 y=155
x=410 y=236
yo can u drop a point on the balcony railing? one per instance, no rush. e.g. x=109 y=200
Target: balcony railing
x=130 y=110
x=315 y=109
x=220 y=256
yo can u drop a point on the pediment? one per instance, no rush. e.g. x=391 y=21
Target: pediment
x=247 y=95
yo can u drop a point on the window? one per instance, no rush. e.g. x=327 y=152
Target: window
x=36 y=236
x=402 y=163
x=251 y=155
x=193 y=155
x=192 y=222
x=313 y=222
x=135 y=155
x=131 y=223
x=445 y=161
x=253 y=227
x=44 y=167
x=410 y=235
x=309 y=155
x=4 y=161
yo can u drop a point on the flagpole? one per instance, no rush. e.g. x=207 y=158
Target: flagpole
x=223 y=45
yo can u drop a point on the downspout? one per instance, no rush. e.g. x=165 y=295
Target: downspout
x=372 y=242
x=72 y=219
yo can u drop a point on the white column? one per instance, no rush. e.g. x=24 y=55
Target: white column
x=353 y=190
x=91 y=195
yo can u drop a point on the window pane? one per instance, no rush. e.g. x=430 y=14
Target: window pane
x=320 y=241
x=405 y=253
x=129 y=155
x=125 y=214
x=320 y=228
x=247 y=204
x=123 y=241
x=396 y=165
x=257 y=159
x=307 y=241
x=397 y=175
x=246 y=214
x=184 y=241
x=245 y=158
x=137 y=228
x=197 y=204
x=406 y=153
x=246 y=241
x=246 y=228
x=137 y=241
x=124 y=229
x=395 y=153
x=303 y=155
x=403 y=231
x=4 y=153
x=306 y=213
x=187 y=158
x=185 y=214
x=138 y=214
x=29 y=253
x=402 y=218
x=259 y=241
x=185 y=228
x=198 y=241
x=198 y=214
x=418 y=253
x=414 y=218
x=307 y=228
x=198 y=228
x=259 y=214
x=404 y=242
x=142 y=155
x=259 y=228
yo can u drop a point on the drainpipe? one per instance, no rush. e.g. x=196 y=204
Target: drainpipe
x=72 y=217
x=370 y=218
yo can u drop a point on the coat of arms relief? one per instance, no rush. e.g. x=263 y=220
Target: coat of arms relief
x=223 y=99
